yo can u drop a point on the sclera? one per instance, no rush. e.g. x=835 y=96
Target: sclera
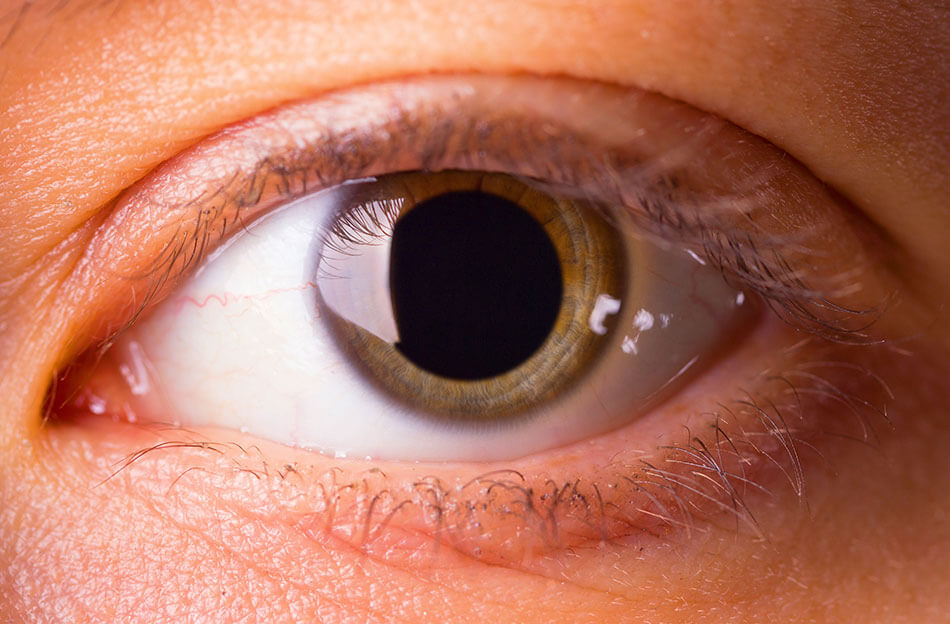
x=244 y=345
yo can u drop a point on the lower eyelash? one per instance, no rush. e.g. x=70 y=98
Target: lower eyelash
x=763 y=443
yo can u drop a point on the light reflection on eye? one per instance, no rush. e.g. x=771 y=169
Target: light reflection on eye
x=279 y=335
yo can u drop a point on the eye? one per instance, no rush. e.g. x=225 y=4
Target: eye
x=430 y=316
x=255 y=282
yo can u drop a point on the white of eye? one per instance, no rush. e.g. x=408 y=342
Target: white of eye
x=244 y=345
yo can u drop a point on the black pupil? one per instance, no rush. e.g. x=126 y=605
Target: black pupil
x=476 y=285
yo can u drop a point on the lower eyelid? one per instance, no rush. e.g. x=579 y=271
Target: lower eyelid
x=745 y=439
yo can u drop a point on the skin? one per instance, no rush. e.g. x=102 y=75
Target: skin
x=851 y=90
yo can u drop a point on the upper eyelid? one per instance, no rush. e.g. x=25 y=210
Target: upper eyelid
x=199 y=197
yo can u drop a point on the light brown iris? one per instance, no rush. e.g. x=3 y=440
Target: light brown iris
x=592 y=262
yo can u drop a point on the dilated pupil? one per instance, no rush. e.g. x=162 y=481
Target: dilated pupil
x=476 y=285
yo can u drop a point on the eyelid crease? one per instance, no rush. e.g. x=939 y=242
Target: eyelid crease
x=688 y=178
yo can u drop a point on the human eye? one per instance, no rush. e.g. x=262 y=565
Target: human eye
x=772 y=451
x=713 y=210
x=296 y=306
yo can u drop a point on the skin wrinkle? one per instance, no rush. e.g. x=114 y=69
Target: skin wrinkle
x=18 y=14
x=878 y=529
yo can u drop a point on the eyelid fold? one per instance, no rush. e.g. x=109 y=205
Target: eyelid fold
x=687 y=177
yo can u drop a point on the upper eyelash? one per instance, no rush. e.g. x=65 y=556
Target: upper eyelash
x=361 y=226
x=735 y=254
x=659 y=203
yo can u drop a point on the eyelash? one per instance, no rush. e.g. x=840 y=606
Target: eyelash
x=735 y=253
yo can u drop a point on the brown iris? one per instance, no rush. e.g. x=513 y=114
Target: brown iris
x=492 y=284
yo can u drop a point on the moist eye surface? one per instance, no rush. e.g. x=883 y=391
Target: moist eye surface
x=430 y=315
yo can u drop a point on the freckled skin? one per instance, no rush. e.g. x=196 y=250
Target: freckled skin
x=851 y=90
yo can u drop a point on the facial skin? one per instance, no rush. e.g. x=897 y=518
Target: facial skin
x=95 y=96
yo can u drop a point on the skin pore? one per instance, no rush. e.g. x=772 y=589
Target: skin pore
x=94 y=96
